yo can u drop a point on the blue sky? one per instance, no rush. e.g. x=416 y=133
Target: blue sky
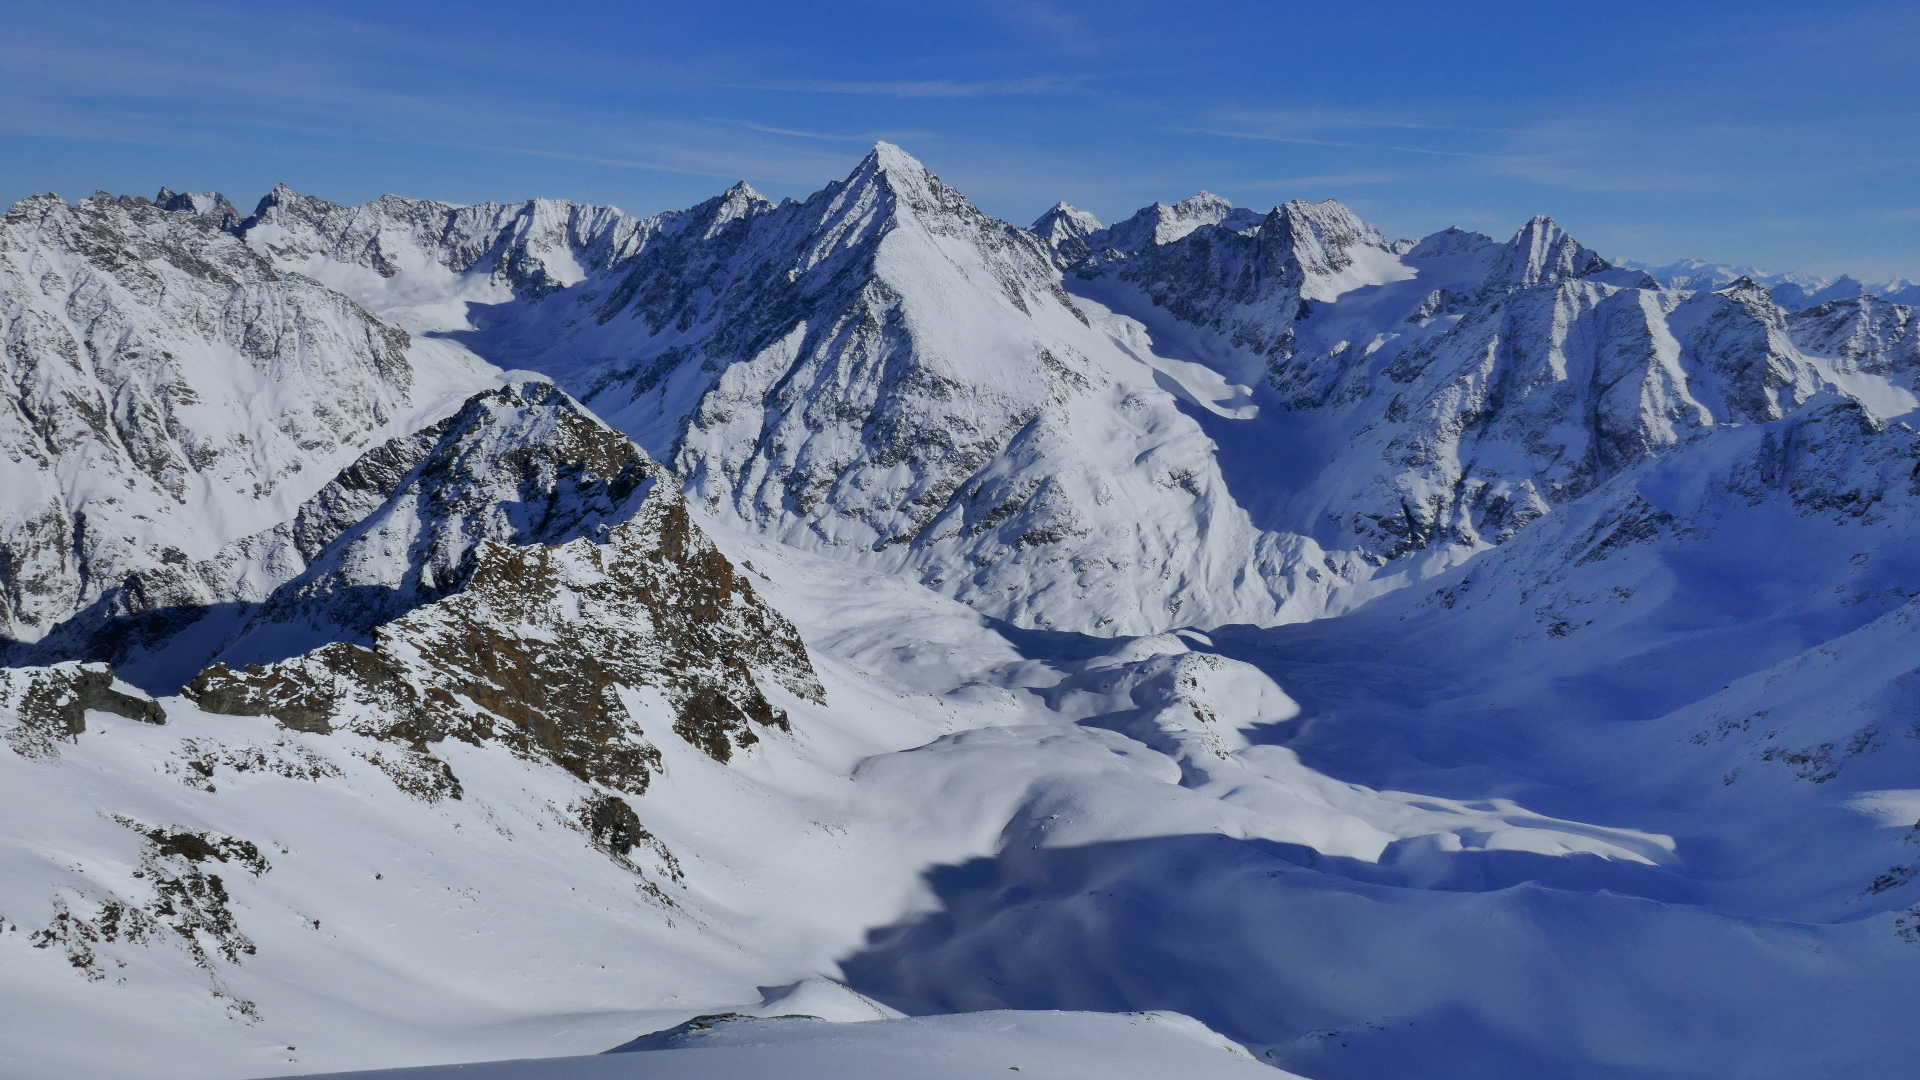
x=1784 y=135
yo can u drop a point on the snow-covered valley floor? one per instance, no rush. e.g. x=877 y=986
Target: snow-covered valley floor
x=981 y=817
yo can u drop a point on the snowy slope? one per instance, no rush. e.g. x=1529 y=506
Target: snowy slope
x=1053 y=1042
x=1455 y=658
x=1045 y=1044
x=1317 y=840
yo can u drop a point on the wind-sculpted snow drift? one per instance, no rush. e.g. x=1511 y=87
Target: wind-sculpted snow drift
x=1453 y=657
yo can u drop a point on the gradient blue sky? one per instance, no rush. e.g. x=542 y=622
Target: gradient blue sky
x=1778 y=134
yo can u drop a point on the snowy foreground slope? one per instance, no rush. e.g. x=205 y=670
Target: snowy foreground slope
x=1444 y=658
x=1052 y=1044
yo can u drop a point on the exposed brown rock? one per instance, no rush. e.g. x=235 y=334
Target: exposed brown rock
x=542 y=649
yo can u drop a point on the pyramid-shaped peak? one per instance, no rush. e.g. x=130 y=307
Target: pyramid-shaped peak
x=1066 y=216
x=281 y=195
x=1542 y=252
x=888 y=158
x=890 y=167
x=738 y=201
x=741 y=198
x=1746 y=291
x=1753 y=296
x=1066 y=230
x=1540 y=231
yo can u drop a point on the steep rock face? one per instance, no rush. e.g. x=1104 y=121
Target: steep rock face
x=1825 y=481
x=1529 y=402
x=210 y=206
x=169 y=391
x=1542 y=253
x=1743 y=354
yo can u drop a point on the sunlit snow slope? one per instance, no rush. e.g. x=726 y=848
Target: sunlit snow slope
x=1454 y=658
x=977 y=1045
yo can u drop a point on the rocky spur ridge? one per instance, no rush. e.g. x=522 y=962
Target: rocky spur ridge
x=506 y=575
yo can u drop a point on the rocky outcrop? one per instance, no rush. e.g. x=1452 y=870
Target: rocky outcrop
x=541 y=652
x=527 y=578
x=49 y=704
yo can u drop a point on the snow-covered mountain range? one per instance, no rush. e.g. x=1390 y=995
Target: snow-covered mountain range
x=505 y=630
x=1792 y=290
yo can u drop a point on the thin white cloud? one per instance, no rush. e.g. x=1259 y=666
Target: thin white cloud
x=930 y=88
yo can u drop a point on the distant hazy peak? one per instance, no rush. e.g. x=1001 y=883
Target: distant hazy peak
x=1202 y=204
x=1065 y=215
x=1451 y=241
x=1161 y=223
x=1749 y=293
